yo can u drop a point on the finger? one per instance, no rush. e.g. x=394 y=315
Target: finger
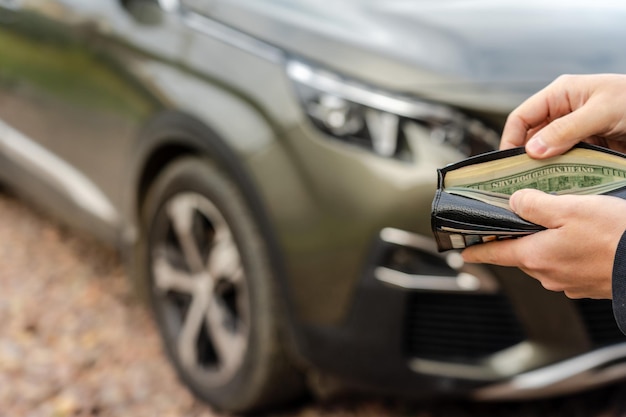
x=535 y=112
x=537 y=207
x=564 y=132
x=503 y=253
x=521 y=122
x=514 y=133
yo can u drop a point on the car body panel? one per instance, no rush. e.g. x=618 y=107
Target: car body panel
x=96 y=97
x=59 y=93
x=158 y=86
x=479 y=54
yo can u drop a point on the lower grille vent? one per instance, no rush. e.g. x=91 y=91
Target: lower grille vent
x=460 y=327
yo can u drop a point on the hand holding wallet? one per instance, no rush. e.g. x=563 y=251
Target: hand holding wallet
x=471 y=202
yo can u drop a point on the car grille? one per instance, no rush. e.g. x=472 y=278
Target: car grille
x=458 y=327
x=597 y=316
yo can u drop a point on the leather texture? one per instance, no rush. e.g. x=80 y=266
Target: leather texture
x=462 y=213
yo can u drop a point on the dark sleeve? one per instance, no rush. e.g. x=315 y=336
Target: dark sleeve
x=619 y=284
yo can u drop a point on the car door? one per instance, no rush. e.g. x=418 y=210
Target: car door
x=73 y=98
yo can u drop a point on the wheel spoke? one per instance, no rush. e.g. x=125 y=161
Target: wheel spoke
x=228 y=335
x=204 y=265
x=237 y=278
x=224 y=261
x=181 y=212
x=168 y=278
x=188 y=337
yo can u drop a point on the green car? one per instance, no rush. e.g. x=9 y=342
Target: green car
x=267 y=167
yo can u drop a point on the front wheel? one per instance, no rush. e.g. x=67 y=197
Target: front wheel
x=212 y=289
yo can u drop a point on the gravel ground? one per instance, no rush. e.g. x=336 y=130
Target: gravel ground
x=74 y=343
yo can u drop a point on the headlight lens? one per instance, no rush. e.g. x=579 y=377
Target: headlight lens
x=357 y=114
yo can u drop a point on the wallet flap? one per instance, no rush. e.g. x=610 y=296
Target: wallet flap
x=464 y=210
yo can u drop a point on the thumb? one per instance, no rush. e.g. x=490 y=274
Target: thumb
x=563 y=133
x=536 y=207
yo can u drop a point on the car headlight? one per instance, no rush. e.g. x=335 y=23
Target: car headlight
x=358 y=114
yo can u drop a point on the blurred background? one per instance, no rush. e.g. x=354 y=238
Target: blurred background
x=222 y=207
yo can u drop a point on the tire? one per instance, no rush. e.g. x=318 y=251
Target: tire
x=212 y=290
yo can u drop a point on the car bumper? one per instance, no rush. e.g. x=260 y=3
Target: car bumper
x=586 y=371
x=423 y=324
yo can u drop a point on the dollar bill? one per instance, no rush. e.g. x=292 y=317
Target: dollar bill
x=580 y=171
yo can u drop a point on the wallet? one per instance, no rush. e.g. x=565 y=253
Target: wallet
x=459 y=221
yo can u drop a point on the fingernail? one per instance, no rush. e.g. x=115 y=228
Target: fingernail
x=536 y=146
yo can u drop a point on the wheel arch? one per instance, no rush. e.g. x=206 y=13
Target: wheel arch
x=172 y=135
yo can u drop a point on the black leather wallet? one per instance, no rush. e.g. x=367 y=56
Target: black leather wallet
x=459 y=221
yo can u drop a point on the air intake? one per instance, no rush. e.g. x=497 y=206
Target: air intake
x=460 y=327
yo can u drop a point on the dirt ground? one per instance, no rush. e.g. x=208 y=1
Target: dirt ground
x=73 y=342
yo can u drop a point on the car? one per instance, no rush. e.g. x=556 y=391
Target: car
x=266 y=170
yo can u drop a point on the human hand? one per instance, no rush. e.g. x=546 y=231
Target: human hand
x=572 y=109
x=574 y=254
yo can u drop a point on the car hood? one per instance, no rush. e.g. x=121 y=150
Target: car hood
x=482 y=54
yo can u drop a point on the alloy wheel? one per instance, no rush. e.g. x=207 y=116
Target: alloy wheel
x=199 y=287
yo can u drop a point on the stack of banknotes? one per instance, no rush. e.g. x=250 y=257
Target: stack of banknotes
x=471 y=205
